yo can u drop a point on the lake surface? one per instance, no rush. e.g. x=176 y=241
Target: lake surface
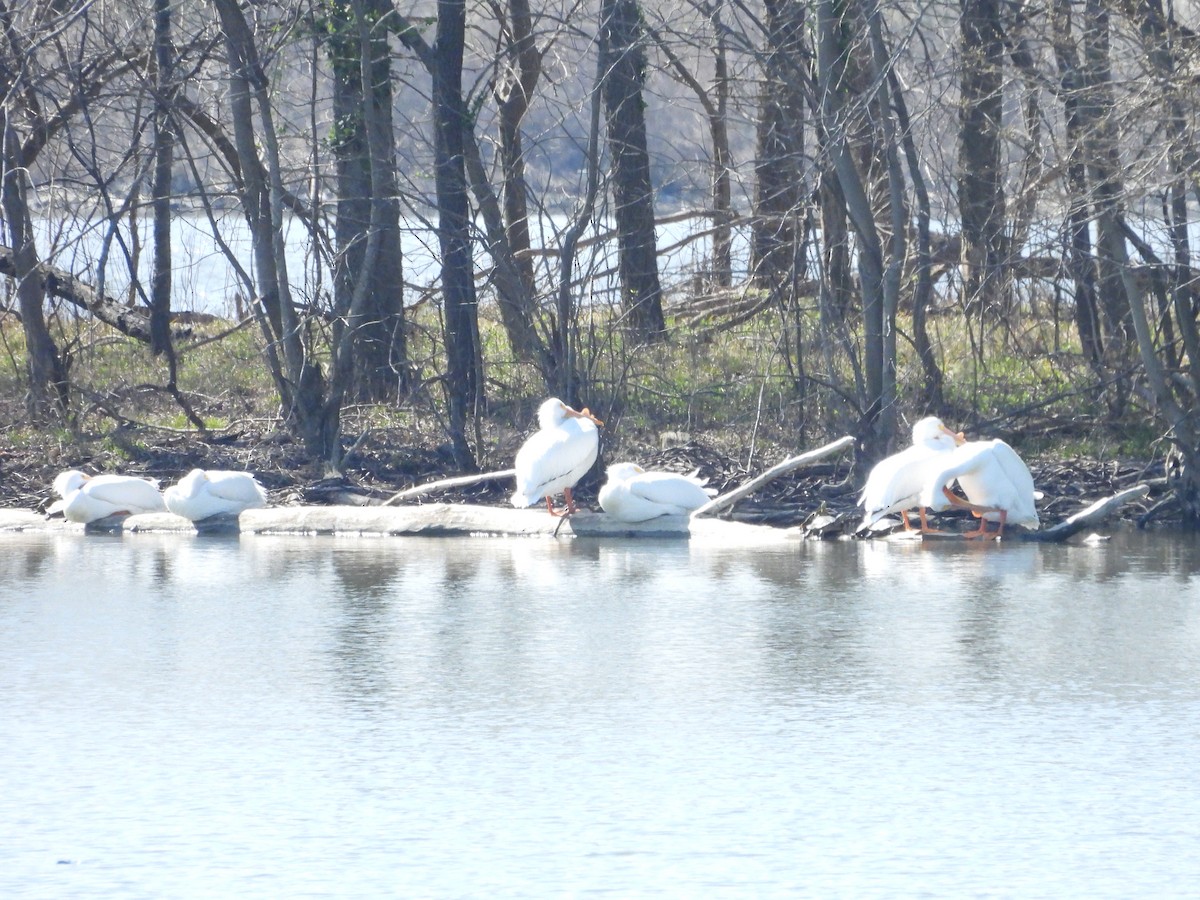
x=486 y=717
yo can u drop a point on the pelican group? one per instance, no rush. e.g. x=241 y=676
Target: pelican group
x=88 y=498
x=896 y=482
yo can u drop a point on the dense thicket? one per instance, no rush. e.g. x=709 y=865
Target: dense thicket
x=903 y=197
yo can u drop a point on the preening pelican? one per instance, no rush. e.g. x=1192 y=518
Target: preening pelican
x=896 y=482
x=202 y=493
x=87 y=498
x=632 y=494
x=996 y=481
x=555 y=457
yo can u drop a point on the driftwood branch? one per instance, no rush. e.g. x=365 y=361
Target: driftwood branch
x=459 y=481
x=128 y=320
x=788 y=465
x=1092 y=515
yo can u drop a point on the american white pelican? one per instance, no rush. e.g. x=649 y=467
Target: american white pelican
x=553 y=459
x=996 y=481
x=87 y=498
x=632 y=494
x=202 y=493
x=896 y=482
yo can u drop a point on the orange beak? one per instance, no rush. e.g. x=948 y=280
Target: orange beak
x=585 y=413
x=959 y=438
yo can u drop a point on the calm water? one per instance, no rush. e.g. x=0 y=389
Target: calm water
x=518 y=718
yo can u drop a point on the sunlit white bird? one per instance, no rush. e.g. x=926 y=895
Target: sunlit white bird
x=554 y=458
x=896 y=482
x=997 y=484
x=88 y=498
x=632 y=494
x=201 y=494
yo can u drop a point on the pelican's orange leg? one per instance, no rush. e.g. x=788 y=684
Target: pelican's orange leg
x=982 y=530
x=570 y=502
x=977 y=511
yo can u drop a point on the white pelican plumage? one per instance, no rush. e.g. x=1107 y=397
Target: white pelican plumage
x=201 y=494
x=632 y=494
x=997 y=483
x=554 y=458
x=88 y=498
x=896 y=482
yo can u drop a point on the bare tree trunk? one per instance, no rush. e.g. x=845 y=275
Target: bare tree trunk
x=896 y=229
x=1161 y=40
x=1107 y=182
x=722 y=194
x=525 y=65
x=779 y=163
x=511 y=277
x=164 y=157
x=980 y=181
x=1080 y=262
x=633 y=196
x=568 y=386
x=932 y=394
x=836 y=292
x=48 y=397
x=164 y=154
x=878 y=400
x=518 y=289
x=302 y=382
x=380 y=350
x=465 y=382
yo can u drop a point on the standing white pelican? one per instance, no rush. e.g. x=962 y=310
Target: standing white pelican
x=896 y=482
x=632 y=494
x=202 y=493
x=554 y=458
x=87 y=498
x=997 y=483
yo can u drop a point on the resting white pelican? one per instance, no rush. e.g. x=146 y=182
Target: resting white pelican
x=996 y=481
x=202 y=493
x=896 y=482
x=632 y=494
x=86 y=498
x=553 y=459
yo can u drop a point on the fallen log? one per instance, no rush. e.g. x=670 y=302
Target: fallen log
x=129 y=320
x=458 y=481
x=429 y=520
x=788 y=465
x=1086 y=518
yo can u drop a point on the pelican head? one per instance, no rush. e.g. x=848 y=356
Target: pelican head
x=932 y=432
x=71 y=480
x=553 y=412
x=623 y=470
